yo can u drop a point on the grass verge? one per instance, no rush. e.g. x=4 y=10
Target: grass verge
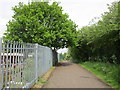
x=109 y=73
x=43 y=79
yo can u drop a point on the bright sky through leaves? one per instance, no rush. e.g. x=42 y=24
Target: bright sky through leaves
x=80 y=11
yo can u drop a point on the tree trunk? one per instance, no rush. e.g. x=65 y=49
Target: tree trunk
x=55 y=57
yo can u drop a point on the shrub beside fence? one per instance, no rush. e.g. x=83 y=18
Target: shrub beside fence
x=22 y=63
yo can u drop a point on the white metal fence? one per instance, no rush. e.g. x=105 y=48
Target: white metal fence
x=22 y=63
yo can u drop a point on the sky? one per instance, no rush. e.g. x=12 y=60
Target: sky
x=79 y=11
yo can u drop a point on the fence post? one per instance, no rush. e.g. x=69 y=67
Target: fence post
x=36 y=61
x=1 y=77
x=0 y=50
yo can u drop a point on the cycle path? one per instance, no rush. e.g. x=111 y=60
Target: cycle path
x=71 y=75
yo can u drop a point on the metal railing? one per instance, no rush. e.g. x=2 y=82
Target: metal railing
x=22 y=63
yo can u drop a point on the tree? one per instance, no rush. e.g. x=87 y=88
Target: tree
x=42 y=23
x=100 y=41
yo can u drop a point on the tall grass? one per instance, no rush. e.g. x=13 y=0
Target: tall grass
x=110 y=73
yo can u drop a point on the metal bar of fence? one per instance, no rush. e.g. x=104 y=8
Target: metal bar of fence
x=3 y=66
x=13 y=63
x=18 y=65
x=6 y=65
x=1 y=77
x=36 y=61
x=15 y=67
x=22 y=51
x=10 y=65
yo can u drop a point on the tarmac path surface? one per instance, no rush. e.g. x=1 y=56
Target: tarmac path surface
x=71 y=75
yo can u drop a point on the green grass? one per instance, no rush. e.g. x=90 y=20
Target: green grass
x=41 y=81
x=109 y=73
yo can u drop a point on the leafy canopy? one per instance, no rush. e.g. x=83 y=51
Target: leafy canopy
x=42 y=23
x=100 y=41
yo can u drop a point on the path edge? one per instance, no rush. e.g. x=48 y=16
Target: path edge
x=98 y=78
x=41 y=85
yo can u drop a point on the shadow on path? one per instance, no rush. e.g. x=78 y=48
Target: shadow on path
x=65 y=63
